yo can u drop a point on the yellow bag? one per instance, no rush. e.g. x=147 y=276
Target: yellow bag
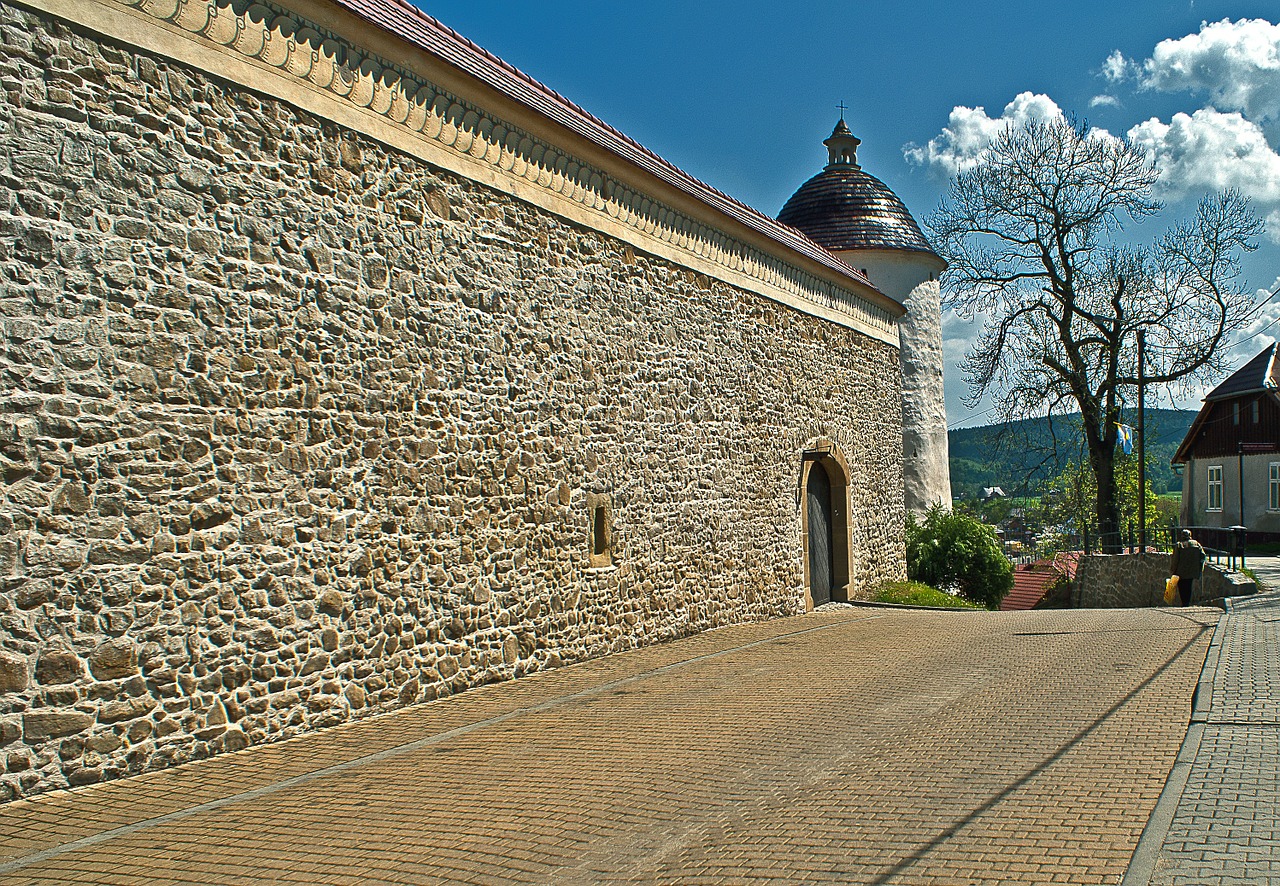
x=1171 y=591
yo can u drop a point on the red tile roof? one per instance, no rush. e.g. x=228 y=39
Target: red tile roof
x=1066 y=562
x=410 y=24
x=1031 y=581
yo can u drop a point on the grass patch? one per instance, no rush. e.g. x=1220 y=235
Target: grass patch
x=913 y=593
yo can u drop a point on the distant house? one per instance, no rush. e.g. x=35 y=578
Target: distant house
x=990 y=492
x=1236 y=436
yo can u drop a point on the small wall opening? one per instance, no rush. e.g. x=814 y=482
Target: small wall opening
x=600 y=530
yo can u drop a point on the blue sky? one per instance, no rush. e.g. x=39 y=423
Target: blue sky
x=742 y=94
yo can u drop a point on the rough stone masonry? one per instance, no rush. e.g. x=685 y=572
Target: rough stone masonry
x=295 y=427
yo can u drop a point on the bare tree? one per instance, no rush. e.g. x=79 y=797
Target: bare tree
x=1033 y=236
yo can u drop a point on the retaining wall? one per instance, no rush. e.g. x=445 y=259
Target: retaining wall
x=1122 y=581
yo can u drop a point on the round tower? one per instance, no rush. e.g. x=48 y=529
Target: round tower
x=856 y=216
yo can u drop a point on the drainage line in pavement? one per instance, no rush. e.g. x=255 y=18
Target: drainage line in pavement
x=1145 y=632
x=1174 y=613
x=389 y=753
x=995 y=800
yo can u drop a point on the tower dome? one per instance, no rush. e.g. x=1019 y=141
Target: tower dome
x=844 y=207
x=855 y=216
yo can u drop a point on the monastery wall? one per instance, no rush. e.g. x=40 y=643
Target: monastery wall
x=303 y=419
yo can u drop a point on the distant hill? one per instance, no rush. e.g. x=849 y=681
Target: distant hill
x=1018 y=456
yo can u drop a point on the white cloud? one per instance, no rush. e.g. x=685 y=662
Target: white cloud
x=1273 y=227
x=1104 y=101
x=1117 y=67
x=1236 y=63
x=1209 y=151
x=969 y=131
x=1262 y=331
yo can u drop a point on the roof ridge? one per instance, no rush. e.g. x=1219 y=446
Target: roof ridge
x=1244 y=380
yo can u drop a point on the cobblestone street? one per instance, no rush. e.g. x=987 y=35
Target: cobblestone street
x=867 y=746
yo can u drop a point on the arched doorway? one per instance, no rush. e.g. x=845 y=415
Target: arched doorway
x=825 y=522
x=817 y=496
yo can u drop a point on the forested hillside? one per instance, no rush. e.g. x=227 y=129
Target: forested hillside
x=1020 y=456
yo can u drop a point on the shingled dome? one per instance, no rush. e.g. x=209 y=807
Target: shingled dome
x=844 y=207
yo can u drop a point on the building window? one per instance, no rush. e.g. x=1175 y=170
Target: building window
x=1235 y=413
x=1255 y=412
x=1273 y=486
x=600 y=530
x=1215 y=488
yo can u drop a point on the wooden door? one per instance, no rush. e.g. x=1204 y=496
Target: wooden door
x=821 y=571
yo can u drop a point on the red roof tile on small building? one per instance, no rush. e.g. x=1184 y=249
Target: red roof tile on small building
x=1031 y=581
x=1067 y=562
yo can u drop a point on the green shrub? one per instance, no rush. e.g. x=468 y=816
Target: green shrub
x=913 y=593
x=959 y=555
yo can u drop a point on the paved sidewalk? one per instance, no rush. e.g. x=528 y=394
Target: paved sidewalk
x=858 y=746
x=1267 y=568
x=1218 y=820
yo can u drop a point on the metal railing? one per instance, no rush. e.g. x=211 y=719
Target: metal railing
x=1224 y=545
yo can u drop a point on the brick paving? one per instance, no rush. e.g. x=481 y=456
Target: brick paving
x=1218 y=821
x=853 y=746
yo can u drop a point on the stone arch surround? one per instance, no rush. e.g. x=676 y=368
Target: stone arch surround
x=299 y=427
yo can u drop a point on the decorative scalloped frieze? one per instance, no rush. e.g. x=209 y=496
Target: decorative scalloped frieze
x=334 y=66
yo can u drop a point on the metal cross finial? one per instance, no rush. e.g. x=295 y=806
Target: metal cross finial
x=842 y=108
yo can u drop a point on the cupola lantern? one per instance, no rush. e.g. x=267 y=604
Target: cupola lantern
x=842 y=146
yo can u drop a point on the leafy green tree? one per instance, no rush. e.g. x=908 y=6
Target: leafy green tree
x=1168 y=512
x=992 y=511
x=1127 y=480
x=958 y=554
x=1072 y=498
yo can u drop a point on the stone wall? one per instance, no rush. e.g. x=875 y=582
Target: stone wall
x=1123 y=581
x=295 y=428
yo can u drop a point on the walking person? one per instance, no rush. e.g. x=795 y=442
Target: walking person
x=1187 y=562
